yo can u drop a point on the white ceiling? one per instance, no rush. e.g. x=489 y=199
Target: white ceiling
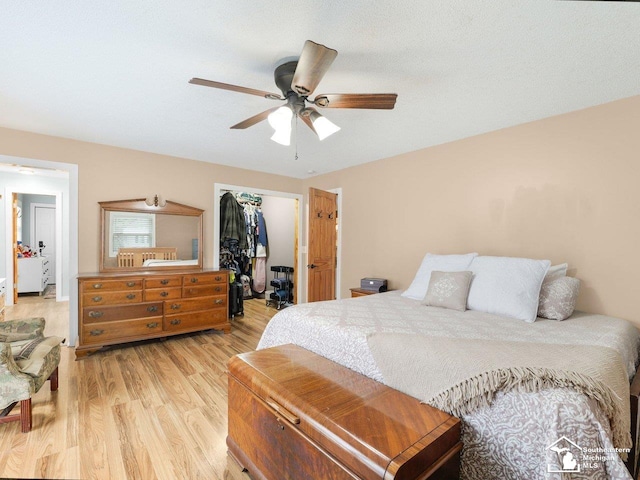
x=116 y=72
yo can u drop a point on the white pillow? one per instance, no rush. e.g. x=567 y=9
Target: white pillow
x=444 y=263
x=507 y=286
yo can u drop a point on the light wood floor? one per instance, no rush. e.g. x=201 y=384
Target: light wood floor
x=148 y=410
x=55 y=313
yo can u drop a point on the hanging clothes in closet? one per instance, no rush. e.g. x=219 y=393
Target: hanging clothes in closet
x=243 y=240
x=260 y=283
x=232 y=224
x=256 y=239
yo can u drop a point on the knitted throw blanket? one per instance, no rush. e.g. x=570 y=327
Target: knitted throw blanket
x=461 y=375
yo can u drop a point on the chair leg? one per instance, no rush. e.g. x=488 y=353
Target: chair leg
x=25 y=415
x=53 y=378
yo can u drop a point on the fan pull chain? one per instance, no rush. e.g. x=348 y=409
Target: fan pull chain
x=296 y=138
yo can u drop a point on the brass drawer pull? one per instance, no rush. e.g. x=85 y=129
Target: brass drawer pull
x=97 y=285
x=131 y=284
x=131 y=296
x=194 y=280
x=218 y=289
x=96 y=299
x=175 y=306
x=152 y=308
x=176 y=321
x=283 y=411
x=97 y=314
x=164 y=294
x=95 y=333
x=219 y=301
x=152 y=324
x=218 y=278
x=164 y=282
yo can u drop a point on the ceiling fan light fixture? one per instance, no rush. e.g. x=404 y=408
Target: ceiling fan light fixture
x=282 y=136
x=280 y=121
x=323 y=126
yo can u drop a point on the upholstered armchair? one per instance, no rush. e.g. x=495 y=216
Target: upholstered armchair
x=27 y=360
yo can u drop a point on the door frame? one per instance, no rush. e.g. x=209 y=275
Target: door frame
x=218 y=188
x=58 y=223
x=71 y=230
x=32 y=229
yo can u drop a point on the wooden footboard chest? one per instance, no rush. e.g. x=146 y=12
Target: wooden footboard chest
x=296 y=415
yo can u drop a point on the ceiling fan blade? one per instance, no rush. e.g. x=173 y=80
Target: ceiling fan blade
x=385 y=101
x=255 y=119
x=314 y=62
x=236 y=88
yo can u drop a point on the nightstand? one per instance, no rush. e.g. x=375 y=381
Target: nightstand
x=361 y=292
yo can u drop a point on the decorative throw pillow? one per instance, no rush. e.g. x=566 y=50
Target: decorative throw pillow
x=556 y=271
x=558 y=298
x=444 y=263
x=448 y=290
x=507 y=286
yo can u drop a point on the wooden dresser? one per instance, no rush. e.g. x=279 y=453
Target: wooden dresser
x=118 y=308
x=294 y=414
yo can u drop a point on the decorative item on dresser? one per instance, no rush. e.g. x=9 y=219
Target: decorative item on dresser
x=118 y=308
x=295 y=414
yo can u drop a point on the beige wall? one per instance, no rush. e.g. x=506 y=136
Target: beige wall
x=110 y=173
x=564 y=188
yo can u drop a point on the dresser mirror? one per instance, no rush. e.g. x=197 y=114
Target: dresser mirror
x=143 y=235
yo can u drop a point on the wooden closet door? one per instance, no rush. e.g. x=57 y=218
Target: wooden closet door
x=321 y=265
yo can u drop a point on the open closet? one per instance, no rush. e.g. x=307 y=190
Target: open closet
x=257 y=230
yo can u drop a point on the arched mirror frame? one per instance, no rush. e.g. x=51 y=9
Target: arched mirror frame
x=139 y=205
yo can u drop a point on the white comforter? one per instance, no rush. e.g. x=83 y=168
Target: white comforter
x=511 y=438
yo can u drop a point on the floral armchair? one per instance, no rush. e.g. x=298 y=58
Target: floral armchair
x=27 y=360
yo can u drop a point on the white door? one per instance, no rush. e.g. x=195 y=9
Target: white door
x=44 y=222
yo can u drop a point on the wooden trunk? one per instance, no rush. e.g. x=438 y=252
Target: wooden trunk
x=294 y=414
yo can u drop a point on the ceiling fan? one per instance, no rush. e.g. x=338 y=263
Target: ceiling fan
x=297 y=80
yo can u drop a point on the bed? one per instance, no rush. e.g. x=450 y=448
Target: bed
x=517 y=435
x=137 y=256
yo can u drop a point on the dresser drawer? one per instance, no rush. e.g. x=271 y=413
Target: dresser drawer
x=111 y=298
x=101 y=314
x=161 y=282
x=195 y=304
x=194 y=320
x=106 y=331
x=153 y=294
x=110 y=285
x=204 y=290
x=206 y=279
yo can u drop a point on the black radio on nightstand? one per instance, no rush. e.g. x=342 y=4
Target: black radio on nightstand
x=374 y=284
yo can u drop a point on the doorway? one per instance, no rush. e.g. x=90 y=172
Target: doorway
x=35 y=243
x=275 y=197
x=43 y=234
x=60 y=181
